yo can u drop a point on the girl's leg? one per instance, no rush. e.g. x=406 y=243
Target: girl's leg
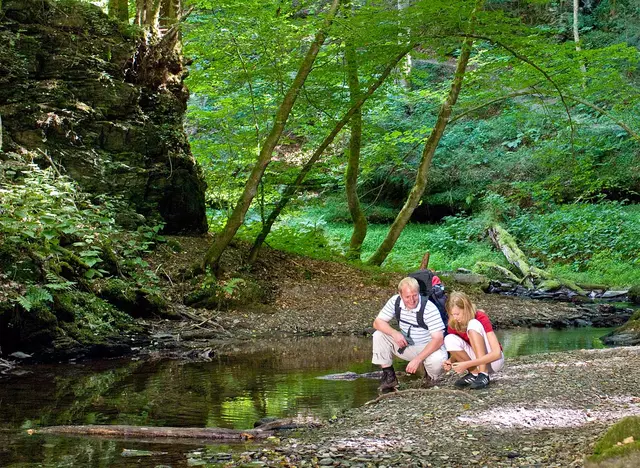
x=460 y=350
x=479 y=348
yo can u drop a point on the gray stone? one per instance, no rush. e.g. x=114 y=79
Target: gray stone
x=20 y=355
x=608 y=294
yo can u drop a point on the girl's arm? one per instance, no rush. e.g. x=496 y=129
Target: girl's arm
x=491 y=356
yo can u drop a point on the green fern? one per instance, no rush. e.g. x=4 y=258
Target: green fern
x=34 y=297
x=56 y=283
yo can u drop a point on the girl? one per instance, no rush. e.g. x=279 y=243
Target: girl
x=472 y=343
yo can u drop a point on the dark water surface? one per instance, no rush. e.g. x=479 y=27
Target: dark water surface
x=277 y=380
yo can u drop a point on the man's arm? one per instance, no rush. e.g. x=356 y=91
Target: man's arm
x=437 y=339
x=387 y=329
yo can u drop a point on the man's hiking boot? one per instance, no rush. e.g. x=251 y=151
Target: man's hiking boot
x=481 y=381
x=465 y=380
x=388 y=381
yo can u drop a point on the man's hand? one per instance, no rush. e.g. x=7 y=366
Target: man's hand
x=399 y=339
x=446 y=365
x=413 y=365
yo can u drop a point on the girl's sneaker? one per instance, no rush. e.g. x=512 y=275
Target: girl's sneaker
x=481 y=381
x=465 y=380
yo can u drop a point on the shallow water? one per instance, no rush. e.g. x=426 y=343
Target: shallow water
x=234 y=391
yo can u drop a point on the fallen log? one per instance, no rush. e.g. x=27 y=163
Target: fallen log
x=210 y=433
x=500 y=270
x=532 y=275
x=204 y=433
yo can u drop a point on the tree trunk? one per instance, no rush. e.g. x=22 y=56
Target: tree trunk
x=291 y=189
x=351 y=177
x=170 y=12
x=576 y=38
x=211 y=433
x=427 y=155
x=119 y=9
x=212 y=257
x=407 y=63
x=507 y=244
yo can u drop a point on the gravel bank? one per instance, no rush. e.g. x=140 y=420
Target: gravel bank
x=544 y=410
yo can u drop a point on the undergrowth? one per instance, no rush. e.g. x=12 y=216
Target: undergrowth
x=586 y=243
x=57 y=242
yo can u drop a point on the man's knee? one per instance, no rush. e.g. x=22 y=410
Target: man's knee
x=379 y=338
x=433 y=363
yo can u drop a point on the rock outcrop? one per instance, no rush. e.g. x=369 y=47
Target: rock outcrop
x=72 y=91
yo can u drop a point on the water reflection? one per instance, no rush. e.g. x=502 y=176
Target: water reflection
x=523 y=341
x=232 y=391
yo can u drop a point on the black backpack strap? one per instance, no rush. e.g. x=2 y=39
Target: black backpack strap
x=420 y=313
x=398 y=310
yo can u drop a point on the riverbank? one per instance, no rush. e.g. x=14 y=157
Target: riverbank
x=282 y=295
x=299 y=296
x=541 y=410
x=544 y=410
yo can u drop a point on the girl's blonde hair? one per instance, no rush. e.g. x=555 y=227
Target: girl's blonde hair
x=460 y=300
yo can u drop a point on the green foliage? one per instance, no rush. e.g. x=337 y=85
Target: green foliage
x=581 y=236
x=35 y=296
x=507 y=161
x=452 y=244
x=620 y=439
x=48 y=216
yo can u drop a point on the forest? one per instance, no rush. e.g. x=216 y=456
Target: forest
x=198 y=187
x=442 y=121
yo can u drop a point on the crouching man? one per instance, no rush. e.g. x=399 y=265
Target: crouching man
x=419 y=341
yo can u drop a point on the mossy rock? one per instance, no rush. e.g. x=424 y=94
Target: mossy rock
x=236 y=292
x=209 y=298
x=120 y=294
x=618 y=444
x=634 y=294
x=137 y=302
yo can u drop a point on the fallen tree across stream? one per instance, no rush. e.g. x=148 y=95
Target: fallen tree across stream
x=211 y=433
x=532 y=277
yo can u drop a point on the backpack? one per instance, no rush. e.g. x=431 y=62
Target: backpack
x=432 y=289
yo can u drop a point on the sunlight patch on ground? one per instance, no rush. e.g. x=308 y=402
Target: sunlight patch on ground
x=548 y=417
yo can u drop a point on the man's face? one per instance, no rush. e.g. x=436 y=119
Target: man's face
x=409 y=296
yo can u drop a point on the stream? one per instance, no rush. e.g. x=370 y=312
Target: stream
x=279 y=379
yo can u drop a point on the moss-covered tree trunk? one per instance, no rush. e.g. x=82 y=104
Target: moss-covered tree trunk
x=170 y=12
x=291 y=189
x=427 y=155
x=212 y=257
x=531 y=276
x=505 y=242
x=353 y=164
